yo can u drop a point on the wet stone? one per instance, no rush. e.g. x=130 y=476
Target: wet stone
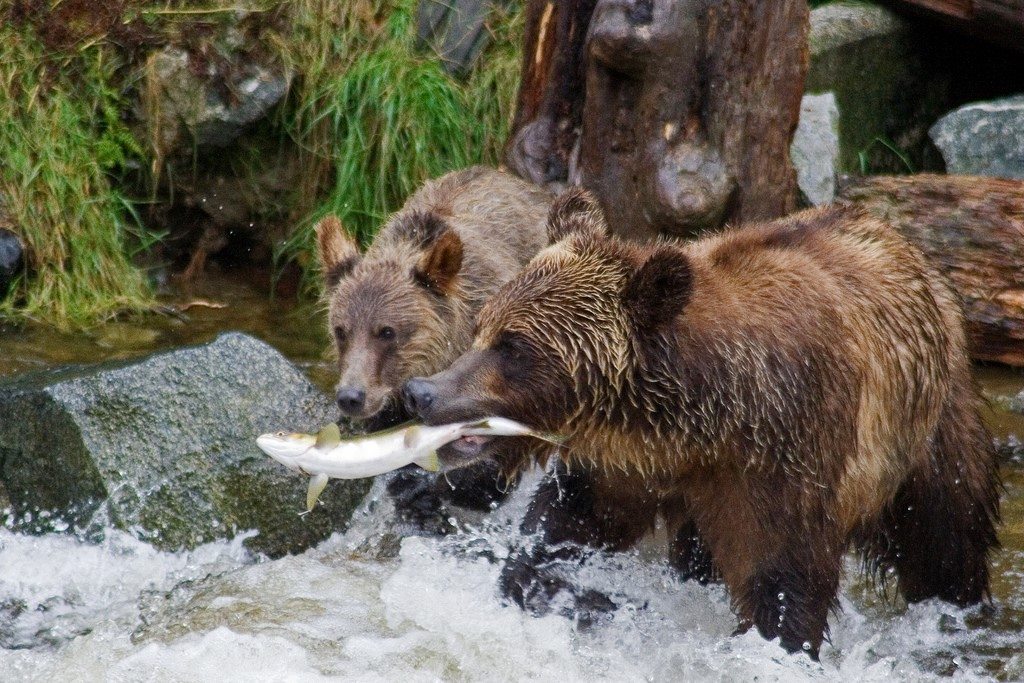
x=815 y=148
x=983 y=138
x=11 y=258
x=165 y=449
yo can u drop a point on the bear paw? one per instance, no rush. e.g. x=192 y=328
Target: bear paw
x=542 y=586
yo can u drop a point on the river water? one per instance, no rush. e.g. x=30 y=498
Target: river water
x=372 y=605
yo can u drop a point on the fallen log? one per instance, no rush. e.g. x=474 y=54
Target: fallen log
x=995 y=21
x=973 y=228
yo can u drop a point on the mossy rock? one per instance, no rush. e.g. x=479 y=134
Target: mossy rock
x=889 y=83
x=165 y=448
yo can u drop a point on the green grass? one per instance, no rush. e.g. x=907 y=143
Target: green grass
x=58 y=139
x=376 y=118
x=368 y=119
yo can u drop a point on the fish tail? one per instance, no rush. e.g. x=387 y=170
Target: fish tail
x=551 y=437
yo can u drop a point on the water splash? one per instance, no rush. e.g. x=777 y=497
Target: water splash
x=370 y=605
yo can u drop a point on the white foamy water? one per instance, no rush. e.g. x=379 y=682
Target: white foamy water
x=122 y=611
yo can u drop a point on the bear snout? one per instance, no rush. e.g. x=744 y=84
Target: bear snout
x=351 y=400
x=418 y=395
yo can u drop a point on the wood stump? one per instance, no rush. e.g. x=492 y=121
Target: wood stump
x=677 y=114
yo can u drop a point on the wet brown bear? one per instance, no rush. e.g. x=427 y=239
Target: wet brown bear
x=407 y=306
x=777 y=392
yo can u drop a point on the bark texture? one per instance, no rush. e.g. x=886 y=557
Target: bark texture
x=550 y=101
x=677 y=114
x=973 y=228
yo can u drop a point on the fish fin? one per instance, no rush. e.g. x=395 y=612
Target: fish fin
x=412 y=435
x=329 y=436
x=317 y=485
x=429 y=462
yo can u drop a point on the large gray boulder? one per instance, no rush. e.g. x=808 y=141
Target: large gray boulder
x=815 y=148
x=165 y=448
x=888 y=85
x=455 y=29
x=984 y=138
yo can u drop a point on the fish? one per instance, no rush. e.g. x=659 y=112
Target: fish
x=328 y=455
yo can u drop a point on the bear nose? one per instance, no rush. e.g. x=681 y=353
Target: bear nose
x=351 y=400
x=418 y=394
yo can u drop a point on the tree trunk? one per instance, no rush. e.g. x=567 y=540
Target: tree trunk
x=550 y=102
x=677 y=114
x=973 y=228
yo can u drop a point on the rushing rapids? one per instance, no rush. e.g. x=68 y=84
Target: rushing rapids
x=367 y=605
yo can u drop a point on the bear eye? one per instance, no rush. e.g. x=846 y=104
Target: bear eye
x=340 y=335
x=386 y=333
x=516 y=362
x=510 y=346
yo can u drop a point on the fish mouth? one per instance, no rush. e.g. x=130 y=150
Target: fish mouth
x=463 y=450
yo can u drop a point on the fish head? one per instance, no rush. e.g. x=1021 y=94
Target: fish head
x=286 y=447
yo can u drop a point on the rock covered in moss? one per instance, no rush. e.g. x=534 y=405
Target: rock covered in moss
x=165 y=448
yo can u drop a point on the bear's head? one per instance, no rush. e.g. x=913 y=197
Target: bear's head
x=389 y=310
x=560 y=347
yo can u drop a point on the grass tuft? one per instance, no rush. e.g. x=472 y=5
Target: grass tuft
x=375 y=117
x=58 y=139
x=367 y=120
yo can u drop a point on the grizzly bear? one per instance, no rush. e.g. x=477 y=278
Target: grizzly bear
x=407 y=306
x=776 y=393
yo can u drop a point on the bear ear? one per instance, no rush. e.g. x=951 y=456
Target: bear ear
x=660 y=289
x=575 y=210
x=338 y=252
x=440 y=263
x=420 y=227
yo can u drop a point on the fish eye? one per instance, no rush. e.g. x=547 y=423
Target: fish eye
x=386 y=333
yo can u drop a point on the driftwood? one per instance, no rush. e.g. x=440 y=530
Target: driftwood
x=677 y=114
x=973 y=228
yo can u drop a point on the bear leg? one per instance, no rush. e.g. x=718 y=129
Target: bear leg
x=422 y=498
x=691 y=557
x=481 y=486
x=939 y=528
x=789 y=598
x=571 y=515
x=777 y=548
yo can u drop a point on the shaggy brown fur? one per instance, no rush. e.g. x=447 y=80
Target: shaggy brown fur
x=407 y=306
x=778 y=391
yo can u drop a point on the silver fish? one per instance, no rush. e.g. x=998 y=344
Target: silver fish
x=327 y=455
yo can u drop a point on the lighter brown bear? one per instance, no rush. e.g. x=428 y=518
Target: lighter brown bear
x=777 y=393
x=407 y=305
